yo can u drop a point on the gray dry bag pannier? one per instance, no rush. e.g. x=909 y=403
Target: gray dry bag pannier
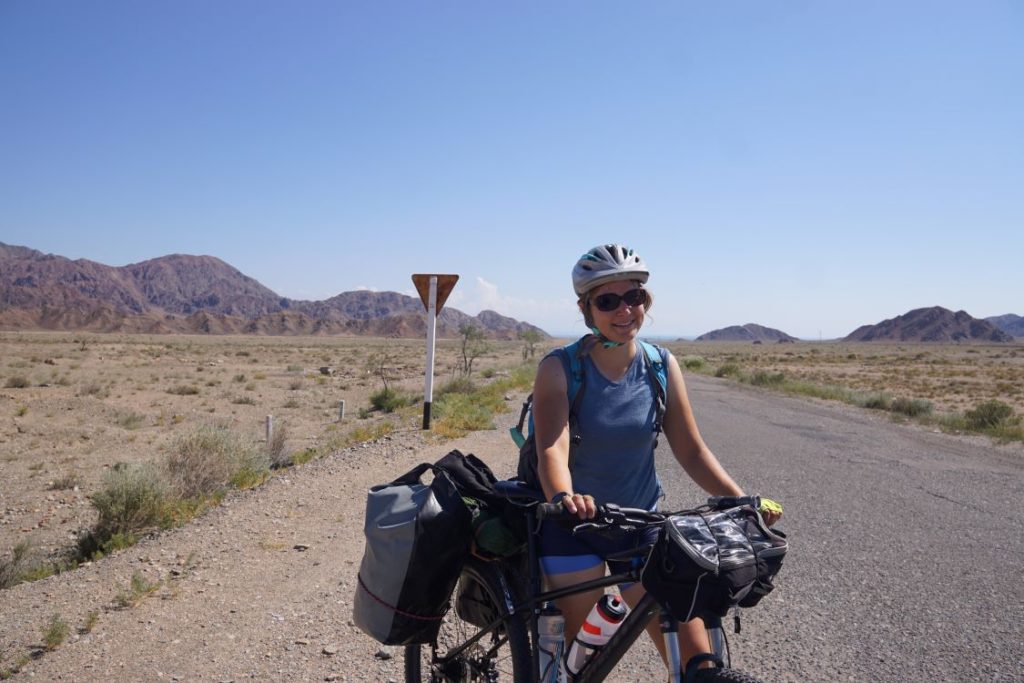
x=417 y=539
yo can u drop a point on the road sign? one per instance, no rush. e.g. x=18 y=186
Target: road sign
x=445 y=285
x=434 y=291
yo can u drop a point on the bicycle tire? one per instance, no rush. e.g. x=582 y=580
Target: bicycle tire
x=502 y=656
x=724 y=676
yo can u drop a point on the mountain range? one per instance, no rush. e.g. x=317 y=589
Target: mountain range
x=204 y=295
x=935 y=324
x=749 y=332
x=1009 y=323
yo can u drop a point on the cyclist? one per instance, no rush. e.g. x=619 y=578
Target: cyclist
x=614 y=462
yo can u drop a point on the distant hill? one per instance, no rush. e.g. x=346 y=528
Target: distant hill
x=1011 y=324
x=935 y=324
x=748 y=333
x=203 y=295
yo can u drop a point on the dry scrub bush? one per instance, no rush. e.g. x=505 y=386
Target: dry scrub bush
x=12 y=570
x=55 y=633
x=133 y=499
x=988 y=415
x=277 y=449
x=203 y=461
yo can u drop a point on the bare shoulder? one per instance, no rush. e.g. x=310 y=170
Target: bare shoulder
x=550 y=377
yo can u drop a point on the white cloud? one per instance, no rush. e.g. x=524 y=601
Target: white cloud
x=553 y=315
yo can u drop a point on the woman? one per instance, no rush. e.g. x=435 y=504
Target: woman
x=614 y=462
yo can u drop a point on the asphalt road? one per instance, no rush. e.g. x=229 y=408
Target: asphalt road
x=906 y=557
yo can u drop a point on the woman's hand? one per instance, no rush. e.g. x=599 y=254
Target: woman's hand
x=771 y=512
x=578 y=504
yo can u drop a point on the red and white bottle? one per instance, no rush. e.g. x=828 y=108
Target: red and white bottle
x=601 y=623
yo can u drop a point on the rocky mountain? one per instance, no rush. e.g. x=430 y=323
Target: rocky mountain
x=202 y=295
x=1011 y=324
x=935 y=324
x=747 y=333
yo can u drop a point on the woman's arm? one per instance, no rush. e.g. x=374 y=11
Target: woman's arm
x=687 y=445
x=551 y=431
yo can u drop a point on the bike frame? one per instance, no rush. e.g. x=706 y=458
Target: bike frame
x=603 y=661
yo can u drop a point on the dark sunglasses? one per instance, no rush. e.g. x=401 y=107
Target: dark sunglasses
x=610 y=301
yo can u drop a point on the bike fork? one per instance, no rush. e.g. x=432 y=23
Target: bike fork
x=670 y=632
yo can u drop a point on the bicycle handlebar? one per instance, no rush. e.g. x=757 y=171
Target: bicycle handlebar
x=725 y=502
x=613 y=513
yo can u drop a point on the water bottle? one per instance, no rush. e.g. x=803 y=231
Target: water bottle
x=601 y=623
x=551 y=644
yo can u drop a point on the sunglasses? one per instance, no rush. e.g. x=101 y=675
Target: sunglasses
x=610 y=301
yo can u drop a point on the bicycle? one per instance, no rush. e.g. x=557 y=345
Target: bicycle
x=491 y=633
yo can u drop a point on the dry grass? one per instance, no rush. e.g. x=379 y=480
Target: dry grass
x=81 y=403
x=976 y=388
x=952 y=377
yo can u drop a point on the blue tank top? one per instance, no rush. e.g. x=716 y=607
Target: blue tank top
x=614 y=461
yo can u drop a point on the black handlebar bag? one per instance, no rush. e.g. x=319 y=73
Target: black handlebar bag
x=703 y=564
x=417 y=539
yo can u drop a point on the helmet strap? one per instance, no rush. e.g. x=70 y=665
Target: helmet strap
x=605 y=341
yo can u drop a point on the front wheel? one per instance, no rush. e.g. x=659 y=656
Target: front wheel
x=482 y=594
x=723 y=676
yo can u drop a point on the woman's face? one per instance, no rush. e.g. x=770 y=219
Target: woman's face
x=623 y=323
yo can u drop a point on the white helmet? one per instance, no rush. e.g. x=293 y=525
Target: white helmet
x=607 y=263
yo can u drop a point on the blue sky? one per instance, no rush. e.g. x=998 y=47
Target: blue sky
x=809 y=166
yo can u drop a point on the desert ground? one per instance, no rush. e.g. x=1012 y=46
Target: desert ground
x=73 y=405
x=953 y=377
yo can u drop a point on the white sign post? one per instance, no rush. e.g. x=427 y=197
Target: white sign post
x=434 y=291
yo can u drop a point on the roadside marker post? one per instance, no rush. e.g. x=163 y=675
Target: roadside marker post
x=433 y=290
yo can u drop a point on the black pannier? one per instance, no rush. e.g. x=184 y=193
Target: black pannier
x=704 y=564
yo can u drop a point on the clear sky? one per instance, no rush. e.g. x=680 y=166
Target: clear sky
x=809 y=166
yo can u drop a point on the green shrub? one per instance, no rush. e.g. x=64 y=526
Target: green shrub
x=875 y=400
x=17 y=382
x=55 y=633
x=911 y=407
x=763 y=378
x=459 y=385
x=90 y=621
x=389 y=400
x=458 y=414
x=138 y=588
x=302 y=457
x=728 y=370
x=184 y=390
x=244 y=401
x=989 y=415
x=694 y=363
x=132 y=500
x=12 y=570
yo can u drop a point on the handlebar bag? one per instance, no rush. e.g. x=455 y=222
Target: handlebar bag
x=417 y=540
x=703 y=564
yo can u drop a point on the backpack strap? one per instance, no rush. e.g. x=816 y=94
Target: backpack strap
x=571 y=356
x=657 y=373
x=575 y=379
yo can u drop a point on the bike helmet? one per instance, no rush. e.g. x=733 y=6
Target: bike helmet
x=607 y=263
